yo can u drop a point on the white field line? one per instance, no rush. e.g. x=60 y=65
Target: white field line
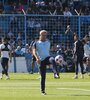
x=76 y=89
x=34 y=88
x=48 y=83
x=19 y=89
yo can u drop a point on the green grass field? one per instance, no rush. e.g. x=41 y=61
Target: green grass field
x=24 y=86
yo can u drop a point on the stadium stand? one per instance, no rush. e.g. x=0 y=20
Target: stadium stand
x=61 y=18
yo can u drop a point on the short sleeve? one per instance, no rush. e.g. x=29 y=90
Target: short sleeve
x=9 y=47
x=1 y=46
x=34 y=45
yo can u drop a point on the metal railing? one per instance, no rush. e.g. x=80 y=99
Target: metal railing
x=28 y=26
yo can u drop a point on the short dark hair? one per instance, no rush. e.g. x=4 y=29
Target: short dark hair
x=87 y=36
x=83 y=41
x=5 y=38
x=76 y=35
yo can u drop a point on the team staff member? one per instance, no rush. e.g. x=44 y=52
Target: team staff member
x=41 y=52
x=5 y=51
x=86 y=53
x=33 y=57
x=78 y=54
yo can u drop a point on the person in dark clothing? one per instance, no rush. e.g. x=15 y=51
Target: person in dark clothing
x=69 y=36
x=78 y=55
x=33 y=57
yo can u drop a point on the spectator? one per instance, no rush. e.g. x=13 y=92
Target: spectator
x=14 y=7
x=72 y=10
x=87 y=9
x=67 y=12
x=30 y=10
x=69 y=36
x=44 y=9
x=14 y=24
x=18 y=51
x=34 y=7
x=28 y=58
x=89 y=34
x=51 y=8
x=10 y=33
x=1 y=8
x=2 y=31
x=19 y=37
x=33 y=57
x=59 y=10
x=20 y=7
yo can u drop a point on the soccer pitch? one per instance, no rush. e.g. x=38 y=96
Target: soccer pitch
x=24 y=86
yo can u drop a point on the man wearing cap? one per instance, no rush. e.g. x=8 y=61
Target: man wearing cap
x=41 y=51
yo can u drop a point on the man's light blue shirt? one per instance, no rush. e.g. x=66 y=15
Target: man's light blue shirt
x=42 y=49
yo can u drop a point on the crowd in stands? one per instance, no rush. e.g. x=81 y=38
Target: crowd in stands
x=51 y=7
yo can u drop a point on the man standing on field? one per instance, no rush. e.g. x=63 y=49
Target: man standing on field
x=41 y=51
x=5 y=51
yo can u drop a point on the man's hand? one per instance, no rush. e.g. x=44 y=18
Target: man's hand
x=38 y=60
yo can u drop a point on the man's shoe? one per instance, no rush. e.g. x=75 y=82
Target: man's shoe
x=31 y=72
x=56 y=76
x=84 y=72
x=75 y=77
x=1 y=77
x=82 y=77
x=7 y=78
x=43 y=93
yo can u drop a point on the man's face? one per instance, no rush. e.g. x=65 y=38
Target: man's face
x=43 y=36
x=75 y=38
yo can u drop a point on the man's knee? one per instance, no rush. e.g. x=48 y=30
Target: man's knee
x=51 y=60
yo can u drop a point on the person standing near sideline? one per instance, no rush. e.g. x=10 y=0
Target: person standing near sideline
x=28 y=57
x=78 y=56
x=41 y=50
x=5 y=51
x=33 y=57
x=86 y=59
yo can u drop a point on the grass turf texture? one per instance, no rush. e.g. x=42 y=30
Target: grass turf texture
x=24 y=86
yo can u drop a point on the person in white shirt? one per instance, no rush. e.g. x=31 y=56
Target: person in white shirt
x=5 y=51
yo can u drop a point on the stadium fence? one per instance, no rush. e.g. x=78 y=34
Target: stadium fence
x=25 y=27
